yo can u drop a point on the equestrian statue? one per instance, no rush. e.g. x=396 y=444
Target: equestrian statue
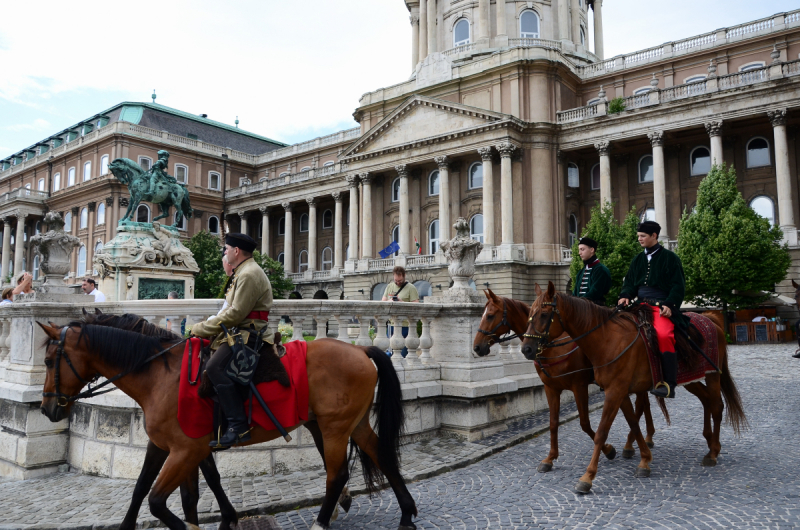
x=155 y=186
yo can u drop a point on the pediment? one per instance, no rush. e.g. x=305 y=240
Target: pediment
x=419 y=119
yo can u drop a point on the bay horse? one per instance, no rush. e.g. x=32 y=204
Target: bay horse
x=568 y=370
x=342 y=378
x=612 y=343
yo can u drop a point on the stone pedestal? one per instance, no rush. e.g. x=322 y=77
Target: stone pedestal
x=145 y=261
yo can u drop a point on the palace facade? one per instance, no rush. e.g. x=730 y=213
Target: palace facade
x=510 y=119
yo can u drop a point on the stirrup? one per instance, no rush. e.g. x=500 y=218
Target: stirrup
x=229 y=441
x=663 y=390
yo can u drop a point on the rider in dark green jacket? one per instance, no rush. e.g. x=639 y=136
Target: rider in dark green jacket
x=594 y=280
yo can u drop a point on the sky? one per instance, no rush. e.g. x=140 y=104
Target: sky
x=290 y=70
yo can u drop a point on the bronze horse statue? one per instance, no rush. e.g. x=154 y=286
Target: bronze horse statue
x=166 y=194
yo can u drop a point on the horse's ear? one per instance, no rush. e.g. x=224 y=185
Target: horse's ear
x=49 y=330
x=537 y=290
x=97 y=311
x=551 y=289
x=795 y=285
x=487 y=292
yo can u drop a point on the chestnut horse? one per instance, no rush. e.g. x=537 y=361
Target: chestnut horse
x=612 y=343
x=341 y=378
x=568 y=370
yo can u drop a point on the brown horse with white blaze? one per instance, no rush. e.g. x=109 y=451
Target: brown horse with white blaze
x=560 y=368
x=612 y=343
x=341 y=380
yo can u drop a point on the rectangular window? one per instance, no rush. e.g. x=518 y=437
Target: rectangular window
x=181 y=174
x=213 y=181
x=104 y=165
x=71 y=177
x=145 y=163
x=57 y=182
x=87 y=171
x=40 y=186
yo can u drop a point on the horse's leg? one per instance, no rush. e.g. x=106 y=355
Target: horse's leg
x=581 y=393
x=648 y=418
x=716 y=407
x=643 y=470
x=554 y=403
x=345 y=499
x=190 y=495
x=611 y=405
x=700 y=390
x=229 y=517
x=338 y=475
x=177 y=469
x=164 y=213
x=367 y=441
x=641 y=402
x=154 y=459
x=134 y=202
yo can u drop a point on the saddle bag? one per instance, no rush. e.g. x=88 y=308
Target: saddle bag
x=244 y=359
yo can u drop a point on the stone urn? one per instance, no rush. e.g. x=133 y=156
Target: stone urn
x=461 y=252
x=54 y=249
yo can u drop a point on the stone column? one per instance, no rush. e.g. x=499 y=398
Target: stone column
x=405 y=244
x=109 y=219
x=312 y=233
x=366 y=215
x=75 y=223
x=597 y=11
x=117 y=203
x=352 y=182
x=483 y=19
x=563 y=19
x=506 y=149
x=432 y=44
x=288 y=239
x=714 y=130
x=604 y=148
x=500 y=6
x=414 y=40
x=264 y=230
x=659 y=182
x=575 y=16
x=423 y=30
x=90 y=239
x=445 y=215
x=19 y=243
x=243 y=222
x=6 y=245
x=338 y=247
x=488 y=197
x=782 y=171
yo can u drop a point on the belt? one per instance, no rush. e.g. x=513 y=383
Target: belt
x=258 y=315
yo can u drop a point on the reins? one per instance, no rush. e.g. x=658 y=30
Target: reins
x=63 y=399
x=493 y=333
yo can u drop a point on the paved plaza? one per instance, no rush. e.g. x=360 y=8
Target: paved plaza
x=494 y=483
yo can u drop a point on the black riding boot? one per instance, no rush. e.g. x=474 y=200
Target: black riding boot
x=669 y=368
x=238 y=428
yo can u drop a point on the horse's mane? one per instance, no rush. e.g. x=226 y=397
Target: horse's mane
x=583 y=312
x=130 y=322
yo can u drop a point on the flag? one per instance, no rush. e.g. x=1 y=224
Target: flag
x=419 y=248
x=388 y=251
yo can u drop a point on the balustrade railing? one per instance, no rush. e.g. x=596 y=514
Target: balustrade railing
x=578 y=114
x=417 y=261
x=683 y=91
x=464 y=48
x=534 y=43
x=566 y=254
x=331 y=139
x=791 y=68
x=744 y=78
x=637 y=101
x=381 y=263
x=695 y=42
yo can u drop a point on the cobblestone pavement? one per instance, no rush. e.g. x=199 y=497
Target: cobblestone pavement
x=754 y=484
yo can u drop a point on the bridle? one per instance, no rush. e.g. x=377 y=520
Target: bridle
x=493 y=338
x=63 y=400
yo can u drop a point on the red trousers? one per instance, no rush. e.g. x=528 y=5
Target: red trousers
x=665 y=331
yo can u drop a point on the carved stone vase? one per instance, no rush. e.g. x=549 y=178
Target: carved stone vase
x=54 y=249
x=461 y=252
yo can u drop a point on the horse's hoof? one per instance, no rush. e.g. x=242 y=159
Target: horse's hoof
x=651 y=444
x=335 y=514
x=544 y=468
x=583 y=487
x=628 y=453
x=611 y=455
x=407 y=527
x=317 y=526
x=190 y=526
x=345 y=501
x=709 y=462
x=642 y=472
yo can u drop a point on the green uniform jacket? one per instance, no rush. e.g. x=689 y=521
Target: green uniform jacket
x=599 y=284
x=664 y=272
x=250 y=290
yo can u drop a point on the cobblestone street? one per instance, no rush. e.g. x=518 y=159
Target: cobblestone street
x=754 y=485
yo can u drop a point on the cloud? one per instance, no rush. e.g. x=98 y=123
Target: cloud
x=37 y=125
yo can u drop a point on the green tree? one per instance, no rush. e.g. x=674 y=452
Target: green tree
x=726 y=246
x=281 y=285
x=617 y=245
x=207 y=251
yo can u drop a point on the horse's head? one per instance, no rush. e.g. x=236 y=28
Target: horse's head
x=493 y=324
x=68 y=369
x=543 y=324
x=125 y=169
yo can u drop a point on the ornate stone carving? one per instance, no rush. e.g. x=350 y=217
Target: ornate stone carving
x=485 y=153
x=54 y=249
x=603 y=147
x=414 y=19
x=352 y=181
x=714 y=128
x=287 y=206
x=312 y=201
x=712 y=69
x=123 y=201
x=20 y=216
x=337 y=196
x=263 y=209
x=366 y=178
x=442 y=162
x=402 y=170
x=506 y=149
x=775 y=54
x=777 y=117
x=242 y=214
x=109 y=202
x=656 y=138
x=74 y=211
x=461 y=252
x=92 y=206
x=654 y=82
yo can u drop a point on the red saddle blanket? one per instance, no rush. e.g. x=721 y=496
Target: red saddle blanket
x=289 y=405
x=689 y=374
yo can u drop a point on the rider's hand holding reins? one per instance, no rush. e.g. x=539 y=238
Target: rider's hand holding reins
x=624 y=302
x=666 y=311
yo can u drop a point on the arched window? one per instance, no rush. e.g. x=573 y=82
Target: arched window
x=71 y=177
x=284 y=174
x=282 y=226
x=758 y=152
x=82 y=261
x=84 y=219
x=37 y=228
x=213 y=224
x=142 y=214
x=306 y=168
x=700 y=161
x=396 y=237
x=764 y=207
x=304 y=222
x=461 y=32
x=302 y=261
x=181 y=173
x=182 y=225
x=476 y=227
x=476 y=175
x=40 y=185
x=595 y=177
x=67 y=222
x=377 y=291
x=329 y=163
x=694 y=79
x=101 y=213
x=591 y=102
x=573 y=176
x=36 y=267
x=433 y=237
x=327 y=259
x=529 y=25
x=87 y=171
x=583 y=37
x=56 y=182
x=752 y=66
x=104 y=165
x=649 y=215
x=433 y=183
x=98 y=247
x=643 y=90
x=424 y=288
x=396 y=190
x=327 y=219
x=214 y=180
x=281 y=259
x=646 y=168
x=573 y=229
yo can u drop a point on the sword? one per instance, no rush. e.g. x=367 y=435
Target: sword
x=272 y=417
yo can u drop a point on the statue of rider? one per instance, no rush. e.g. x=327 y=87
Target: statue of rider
x=160 y=171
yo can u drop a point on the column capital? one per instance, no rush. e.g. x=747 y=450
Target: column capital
x=337 y=196
x=485 y=153
x=603 y=147
x=414 y=19
x=714 y=128
x=109 y=202
x=441 y=161
x=402 y=170
x=506 y=149
x=777 y=117
x=92 y=206
x=312 y=201
x=75 y=209
x=263 y=209
x=366 y=178
x=352 y=180
x=656 y=138
x=287 y=206
x=242 y=213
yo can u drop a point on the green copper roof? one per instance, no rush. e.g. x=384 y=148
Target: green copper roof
x=131 y=114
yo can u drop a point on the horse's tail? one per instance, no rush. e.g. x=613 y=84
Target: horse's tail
x=735 y=413
x=662 y=404
x=185 y=205
x=390 y=422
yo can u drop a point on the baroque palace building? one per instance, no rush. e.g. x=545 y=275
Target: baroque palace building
x=505 y=120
